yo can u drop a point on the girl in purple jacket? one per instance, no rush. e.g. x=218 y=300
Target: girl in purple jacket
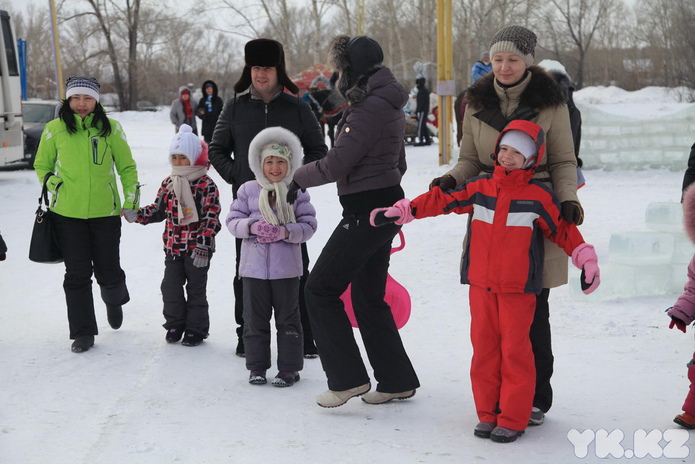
x=683 y=311
x=271 y=260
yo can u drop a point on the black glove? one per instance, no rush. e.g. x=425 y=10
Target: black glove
x=572 y=211
x=445 y=183
x=292 y=192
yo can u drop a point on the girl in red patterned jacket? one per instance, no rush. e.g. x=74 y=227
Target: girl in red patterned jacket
x=503 y=264
x=189 y=203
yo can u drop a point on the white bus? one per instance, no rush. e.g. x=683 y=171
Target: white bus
x=11 y=138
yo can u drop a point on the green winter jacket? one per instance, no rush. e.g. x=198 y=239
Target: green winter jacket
x=84 y=181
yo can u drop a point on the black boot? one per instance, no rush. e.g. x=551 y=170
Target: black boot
x=114 y=314
x=192 y=339
x=240 y=351
x=83 y=343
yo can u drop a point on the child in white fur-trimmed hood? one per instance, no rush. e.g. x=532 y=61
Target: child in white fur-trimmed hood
x=271 y=260
x=189 y=203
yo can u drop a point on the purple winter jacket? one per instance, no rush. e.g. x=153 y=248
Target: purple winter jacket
x=269 y=261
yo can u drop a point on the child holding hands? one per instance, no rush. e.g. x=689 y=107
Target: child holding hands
x=682 y=313
x=503 y=264
x=189 y=203
x=271 y=261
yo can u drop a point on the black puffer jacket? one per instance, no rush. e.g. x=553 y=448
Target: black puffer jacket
x=369 y=153
x=210 y=115
x=244 y=117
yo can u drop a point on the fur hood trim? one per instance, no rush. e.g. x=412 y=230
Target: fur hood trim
x=275 y=135
x=542 y=91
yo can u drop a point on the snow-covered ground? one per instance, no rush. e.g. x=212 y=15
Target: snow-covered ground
x=135 y=399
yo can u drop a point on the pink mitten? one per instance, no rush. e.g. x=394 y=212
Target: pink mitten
x=267 y=233
x=584 y=258
x=401 y=209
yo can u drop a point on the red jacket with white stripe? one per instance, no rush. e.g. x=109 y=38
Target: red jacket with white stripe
x=510 y=214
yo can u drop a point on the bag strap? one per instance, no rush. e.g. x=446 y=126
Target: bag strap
x=44 y=189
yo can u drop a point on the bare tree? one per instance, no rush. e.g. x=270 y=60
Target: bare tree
x=36 y=31
x=576 y=22
x=111 y=15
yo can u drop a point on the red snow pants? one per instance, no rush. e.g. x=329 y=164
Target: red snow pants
x=689 y=405
x=503 y=374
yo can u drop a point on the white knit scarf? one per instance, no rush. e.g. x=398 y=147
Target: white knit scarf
x=181 y=177
x=285 y=211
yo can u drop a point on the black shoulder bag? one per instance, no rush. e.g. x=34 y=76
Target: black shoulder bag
x=44 y=246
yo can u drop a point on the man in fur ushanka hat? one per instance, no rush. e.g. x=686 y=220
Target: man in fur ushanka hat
x=265 y=104
x=264 y=53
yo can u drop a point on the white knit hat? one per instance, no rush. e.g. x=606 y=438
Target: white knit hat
x=516 y=40
x=186 y=143
x=520 y=141
x=81 y=85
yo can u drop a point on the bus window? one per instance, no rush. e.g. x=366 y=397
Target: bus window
x=10 y=49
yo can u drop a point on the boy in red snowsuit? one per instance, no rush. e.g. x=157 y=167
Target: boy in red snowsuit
x=503 y=264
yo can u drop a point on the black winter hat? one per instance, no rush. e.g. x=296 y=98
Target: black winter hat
x=264 y=52
x=356 y=58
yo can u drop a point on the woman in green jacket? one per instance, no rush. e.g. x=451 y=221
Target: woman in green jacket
x=80 y=152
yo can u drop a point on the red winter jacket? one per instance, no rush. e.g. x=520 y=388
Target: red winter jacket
x=510 y=215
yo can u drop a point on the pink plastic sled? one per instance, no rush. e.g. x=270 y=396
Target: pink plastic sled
x=396 y=296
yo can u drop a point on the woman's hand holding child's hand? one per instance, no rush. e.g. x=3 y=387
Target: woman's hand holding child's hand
x=584 y=258
x=400 y=213
x=130 y=215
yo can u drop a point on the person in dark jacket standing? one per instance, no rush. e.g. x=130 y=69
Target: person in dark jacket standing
x=422 y=110
x=266 y=104
x=367 y=163
x=209 y=109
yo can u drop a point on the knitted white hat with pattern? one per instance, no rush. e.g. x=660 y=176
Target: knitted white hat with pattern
x=82 y=85
x=186 y=143
x=516 y=40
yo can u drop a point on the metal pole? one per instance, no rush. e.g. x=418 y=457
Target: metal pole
x=60 y=91
x=445 y=82
x=22 y=50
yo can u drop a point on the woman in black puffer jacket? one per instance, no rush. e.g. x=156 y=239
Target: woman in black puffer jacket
x=367 y=163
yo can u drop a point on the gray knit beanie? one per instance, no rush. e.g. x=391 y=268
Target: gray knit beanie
x=516 y=40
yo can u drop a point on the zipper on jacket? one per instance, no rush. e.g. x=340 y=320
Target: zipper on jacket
x=136 y=201
x=95 y=150
x=265 y=105
x=267 y=260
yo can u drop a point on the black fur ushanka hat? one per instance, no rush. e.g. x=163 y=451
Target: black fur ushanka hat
x=264 y=52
